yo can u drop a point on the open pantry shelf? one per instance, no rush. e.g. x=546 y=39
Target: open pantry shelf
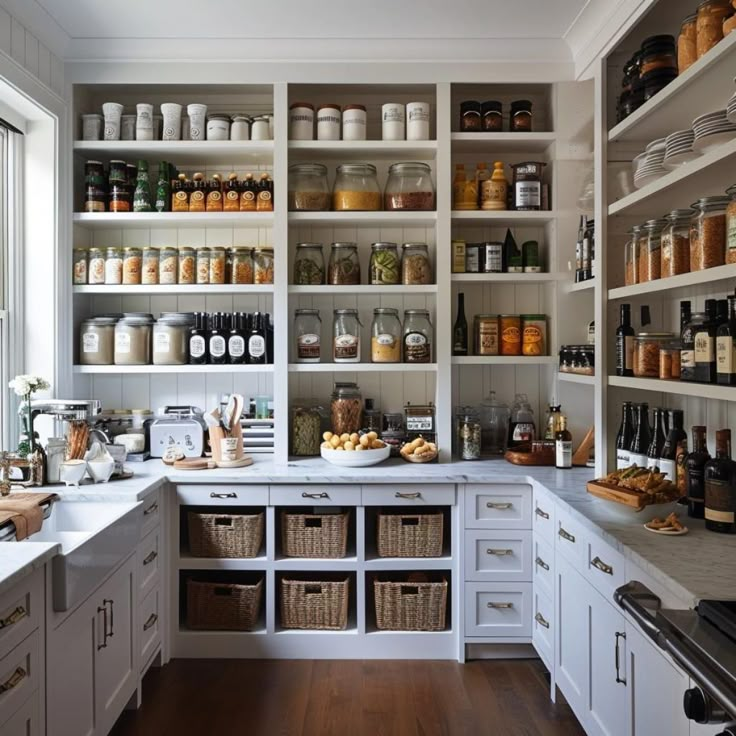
x=396 y=218
x=362 y=367
x=679 y=388
x=507 y=278
x=683 y=282
x=519 y=360
x=146 y=369
x=363 y=289
x=490 y=143
x=581 y=286
x=576 y=378
x=110 y=220
x=175 y=289
x=511 y=217
x=394 y=150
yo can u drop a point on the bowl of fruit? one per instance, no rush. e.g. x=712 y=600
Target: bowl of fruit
x=354 y=450
x=419 y=451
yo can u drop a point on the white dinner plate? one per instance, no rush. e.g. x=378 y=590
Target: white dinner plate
x=668 y=532
x=709 y=142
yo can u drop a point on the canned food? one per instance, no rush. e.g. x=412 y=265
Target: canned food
x=534 y=334
x=510 y=331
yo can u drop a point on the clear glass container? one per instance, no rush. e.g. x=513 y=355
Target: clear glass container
x=344 y=266
x=356 y=189
x=646 y=352
x=386 y=336
x=676 y=243
x=79 y=271
x=731 y=225
x=708 y=233
x=168 y=265
x=494 y=424
x=309 y=265
x=96 y=266
x=385 y=264
x=203 y=265
x=309 y=190
x=114 y=266
x=306 y=429
x=709 y=24
x=469 y=435
x=687 y=47
x=187 y=265
x=149 y=273
x=346 y=336
x=262 y=265
x=631 y=257
x=416 y=268
x=346 y=408
x=171 y=338
x=133 y=339
x=97 y=341
x=650 y=258
x=418 y=336
x=308 y=334
x=409 y=187
x=132 y=266
x=241 y=265
x=218 y=261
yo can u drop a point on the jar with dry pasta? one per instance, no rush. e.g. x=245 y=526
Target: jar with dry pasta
x=647 y=346
x=132 y=265
x=241 y=269
x=346 y=408
x=262 y=265
x=203 y=265
x=356 y=189
x=168 y=265
x=631 y=257
x=416 y=268
x=708 y=233
x=188 y=265
x=650 y=259
x=709 y=24
x=385 y=336
x=218 y=260
x=676 y=243
x=731 y=225
x=149 y=275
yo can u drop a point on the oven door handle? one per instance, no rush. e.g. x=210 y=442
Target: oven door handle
x=632 y=597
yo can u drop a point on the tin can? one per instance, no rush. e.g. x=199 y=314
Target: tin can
x=534 y=334
x=472 y=258
x=486 y=334
x=493 y=257
x=458 y=256
x=510 y=333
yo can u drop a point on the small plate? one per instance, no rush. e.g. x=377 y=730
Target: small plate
x=668 y=532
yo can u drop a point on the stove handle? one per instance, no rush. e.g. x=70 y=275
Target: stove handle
x=629 y=598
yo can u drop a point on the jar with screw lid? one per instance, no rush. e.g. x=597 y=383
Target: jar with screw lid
x=114 y=266
x=346 y=408
x=218 y=257
x=709 y=24
x=470 y=120
x=708 y=233
x=520 y=116
x=301 y=121
x=346 y=336
x=418 y=336
x=80 y=263
x=676 y=243
x=308 y=188
x=687 y=48
x=409 y=187
x=385 y=264
x=650 y=257
x=149 y=273
x=491 y=116
x=96 y=266
x=344 y=266
x=133 y=339
x=187 y=265
x=203 y=265
x=329 y=122
x=354 y=120
x=262 y=265
x=132 y=266
x=416 y=268
x=386 y=336
x=97 y=341
x=308 y=331
x=356 y=189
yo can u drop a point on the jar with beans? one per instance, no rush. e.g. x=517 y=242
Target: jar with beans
x=647 y=346
x=416 y=268
x=650 y=259
x=731 y=226
x=187 y=265
x=709 y=24
x=168 y=265
x=346 y=408
x=344 y=267
x=262 y=265
x=356 y=189
x=708 y=233
x=309 y=265
x=676 y=243
x=385 y=264
x=149 y=274
x=241 y=265
x=409 y=187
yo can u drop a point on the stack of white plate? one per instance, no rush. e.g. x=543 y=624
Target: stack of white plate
x=650 y=166
x=712 y=130
x=731 y=109
x=679 y=149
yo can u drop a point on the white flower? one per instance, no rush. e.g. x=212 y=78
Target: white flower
x=25 y=384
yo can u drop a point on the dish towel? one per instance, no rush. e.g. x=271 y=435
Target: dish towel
x=24 y=511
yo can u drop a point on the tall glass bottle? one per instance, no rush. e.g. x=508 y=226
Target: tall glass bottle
x=142 y=194
x=642 y=437
x=257 y=341
x=625 y=436
x=625 y=343
x=726 y=347
x=163 y=188
x=720 y=487
x=218 y=339
x=656 y=444
x=460 y=330
x=687 y=344
x=199 y=340
x=563 y=445
x=673 y=447
x=694 y=474
x=236 y=340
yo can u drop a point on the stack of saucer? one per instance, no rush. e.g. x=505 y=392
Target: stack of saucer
x=679 y=149
x=650 y=167
x=731 y=109
x=712 y=130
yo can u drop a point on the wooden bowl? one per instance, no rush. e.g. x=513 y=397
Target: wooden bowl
x=425 y=457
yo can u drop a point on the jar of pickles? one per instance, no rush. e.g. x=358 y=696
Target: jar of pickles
x=132 y=265
x=149 y=275
x=241 y=265
x=187 y=265
x=416 y=268
x=356 y=189
x=309 y=265
x=708 y=233
x=218 y=260
x=385 y=264
x=650 y=258
x=262 y=265
x=203 y=265
x=344 y=267
x=385 y=336
x=676 y=243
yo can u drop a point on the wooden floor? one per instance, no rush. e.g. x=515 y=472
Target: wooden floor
x=347 y=698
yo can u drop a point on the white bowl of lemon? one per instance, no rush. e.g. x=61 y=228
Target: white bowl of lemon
x=354 y=450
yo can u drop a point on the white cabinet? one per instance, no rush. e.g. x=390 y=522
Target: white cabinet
x=26 y=721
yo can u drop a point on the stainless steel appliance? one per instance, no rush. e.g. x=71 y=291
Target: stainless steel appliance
x=178 y=425
x=702 y=641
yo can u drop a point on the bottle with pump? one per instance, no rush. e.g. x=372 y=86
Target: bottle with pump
x=625 y=343
x=675 y=446
x=642 y=437
x=563 y=445
x=656 y=444
x=218 y=339
x=236 y=340
x=694 y=474
x=625 y=436
x=199 y=340
x=460 y=329
x=257 y=341
x=720 y=487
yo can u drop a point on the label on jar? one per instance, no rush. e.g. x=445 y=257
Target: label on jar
x=488 y=337
x=113 y=270
x=719 y=501
x=704 y=348
x=523 y=432
x=419 y=424
x=511 y=340
x=668 y=467
x=731 y=234
x=196 y=346
x=346 y=347
x=687 y=364
x=90 y=342
x=236 y=346
x=385 y=339
x=416 y=348
x=97 y=271
x=256 y=346
x=563 y=453
x=196 y=201
x=232 y=195
x=217 y=346
x=725 y=360
x=528 y=194
x=308 y=346
x=161 y=342
x=122 y=342
x=94 y=205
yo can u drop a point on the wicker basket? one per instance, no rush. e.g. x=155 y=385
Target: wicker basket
x=410 y=606
x=225 y=535
x=315 y=535
x=314 y=604
x=223 y=606
x=410 y=535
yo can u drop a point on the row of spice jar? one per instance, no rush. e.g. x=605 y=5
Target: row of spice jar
x=578 y=359
x=391 y=342
x=168 y=265
x=489 y=190
x=386 y=266
x=487 y=117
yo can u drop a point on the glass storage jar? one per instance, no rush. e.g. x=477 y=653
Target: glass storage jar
x=306 y=429
x=468 y=433
x=171 y=338
x=80 y=263
x=385 y=264
x=114 y=266
x=218 y=260
x=631 y=257
x=418 y=336
x=346 y=408
x=650 y=257
x=96 y=266
x=309 y=190
x=97 y=341
x=495 y=417
x=520 y=116
x=646 y=352
x=187 y=265
x=709 y=24
x=386 y=336
x=346 y=336
x=309 y=264
x=308 y=332
x=132 y=265
x=203 y=265
x=731 y=226
x=241 y=265
x=356 y=189
x=416 y=268
x=149 y=274
x=676 y=243
x=687 y=47
x=409 y=187
x=262 y=265
x=133 y=339
x=708 y=233
x=168 y=265
x=658 y=54
x=344 y=266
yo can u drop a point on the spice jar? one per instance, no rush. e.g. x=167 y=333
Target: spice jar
x=669 y=362
x=416 y=268
x=114 y=266
x=485 y=334
x=346 y=336
x=97 y=341
x=470 y=121
x=241 y=265
x=344 y=266
x=533 y=334
x=731 y=226
x=133 y=339
x=96 y=268
x=385 y=336
x=687 y=48
x=346 y=408
x=329 y=121
x=308 y=331
x=468 y=434
x=709 y=24
x=491 y=116
x=306 y=425
x=510 y=329
x=646 y=352
x=356 y=189
x=218 y=258
x=149 y=271
x=409 y=187
x=708 y=233
x=418 y=336
x=261 y=128
x=79 y=270
x=308 y=188
x=171 y=338
x=187 y=265
x=262 y=265
x=203 y=265
x=309 y=265
x=132 y=265
x=354 y=120
x=385 y=265
x=301 y=121
x=676 y=243
x=520 y=117
x=650 y=256
x=218 y=127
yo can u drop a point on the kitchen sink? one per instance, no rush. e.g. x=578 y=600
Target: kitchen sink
x=94 y=539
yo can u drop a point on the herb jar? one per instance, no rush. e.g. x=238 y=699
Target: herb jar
x=356 y=189
x=149 y=271
x=416 y=268
x=132 y=266
x=520 y=116
x=534 y=334
x=650 y=257
x=709 y=24
x=114 y=266
x=96 y=266
x=309 y=265
x=301 y=121
x=241 y=265
x=731 y=226
x=79 y=263
x=346 y=408
x=187 y=265
x=97 y=341
x=646 y=352
x=218 y=260
x=308 y=332
x=346 y=336
x=308 y=188
x=385 y=336
x=133 y=339
x=708 y=233
x=687 y=46
x=676 y=243
x=203 y=265
x=470 y=120
x=262 y=265
x=385 y=264
x=306 y=426
x=409 y=187
x=354 y=121
x=418 y=336
x=171 y=338
x=344 y=266
x=491 y=116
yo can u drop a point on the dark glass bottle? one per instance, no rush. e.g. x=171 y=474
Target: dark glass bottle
x=142 y=194
x=625 y=343
x=460 y=330
x=694 y=468
x=163 y=189
x=656 y=444
x=726 y=347
x=563 y=445
x=687 y=343
x=236 y=340
x=218 y=339
x=720 y=487
x=673 y=445
x=625 y=436
x=257 y=341
x=704 y=340
x=642 y=437
x=199 y=340
x=269 y=339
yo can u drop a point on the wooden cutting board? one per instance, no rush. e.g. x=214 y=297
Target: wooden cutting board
x=610 y=492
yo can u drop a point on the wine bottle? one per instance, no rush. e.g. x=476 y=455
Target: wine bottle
x=625 y=343
x=642 y=437
x=726 y=347
x=687 y=344
x=198 y=340
x=625 y=436
x=694 y=470
x=720 y=487
x=656 y=444
x=673 y=446
x=460 y=330
x=563 y=445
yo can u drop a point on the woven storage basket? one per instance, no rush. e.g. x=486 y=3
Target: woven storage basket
x=223 y=606
x=411 y=606
x=315 y=535
x=410 y=535
x=314 y=604
x=225 y=535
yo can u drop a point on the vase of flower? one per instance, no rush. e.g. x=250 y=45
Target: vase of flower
x=24 y=387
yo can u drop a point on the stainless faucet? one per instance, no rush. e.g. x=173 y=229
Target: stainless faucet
x=10 y=460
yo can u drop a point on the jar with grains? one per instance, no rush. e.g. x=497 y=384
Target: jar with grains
x=676 y=243
x=203 y=265
x=96 y=267
x=133 y=339
x=218 y=260
x=344 y=266
x=187 y=262
x=687 y=49
x=409 y=187
x=708 y=233
x=709 y=24
x=149 y=273
x=346 y=408
x=731 y=226
x=114 y=266
x=132 y=266
x=309 y=190
x=97 y=341
x=346 y=336
x=650 y=256
x=309 y=265
x=510 y=332
x=80 y=262
x=356 y=189
x=262 y=265
x=385 y=264
x=416 y=268
x=646 y=352
x=418 y=336
x=534 y=334
x=385 y=336
x=308 y=332
x=241 y=266
x=306 y=425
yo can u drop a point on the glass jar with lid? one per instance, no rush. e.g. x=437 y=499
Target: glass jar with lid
x=168 y=265
x=356 y=189
x=132 y=266
x=97 y=341
x=650 y=258
x=416 y=268
x=495 y=417
x=409 y=187
x=149 y=273
x=308 y=332
x=96 y=266
x=631 y=257
x=708 y=233
x=133 y=339
x=418 y=336
x=676 y=243
x=646 y=352
x=203 y=265
x=468 y=433
x=309 y=190
x=241 y=265
x=687 y=49
x=385 y=264
x=386 y=336
x=80 y=263
x=346 y=408
x=171 y=338
x=218 y=259
x=114 y=266
x=346 y=336
x=731 y=226
x=309 y=265
x=709 y=24
x=344 y=266
x=187 y=265
x=262 y=265
x=306 y=429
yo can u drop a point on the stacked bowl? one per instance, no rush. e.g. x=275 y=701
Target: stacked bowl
x=679 y=149
x=712 y=130
x=649 y=165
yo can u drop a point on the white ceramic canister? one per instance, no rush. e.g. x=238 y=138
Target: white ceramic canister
x=113 y=112
x=240 y=128
x=92 y=127
x=417 y=121
x=172 y=121
x=127 y=127
x=144 y=122
x=329 y=121
x=218 y=127
x=259 y=130
x=301 y=121
x=197 y=121
x=354 y=122
x=392 y=121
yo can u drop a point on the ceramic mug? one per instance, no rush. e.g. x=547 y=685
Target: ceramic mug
x=172 y=121
x=197 y=121
x=144 y=122
x=113 y=112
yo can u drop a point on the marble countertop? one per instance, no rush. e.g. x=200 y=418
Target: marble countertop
x=18 y=559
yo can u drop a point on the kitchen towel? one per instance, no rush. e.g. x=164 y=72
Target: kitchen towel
x=24 y=511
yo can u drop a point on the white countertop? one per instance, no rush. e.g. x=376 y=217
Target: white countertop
x=18 y=559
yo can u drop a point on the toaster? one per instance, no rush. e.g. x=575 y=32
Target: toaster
x=182 y=426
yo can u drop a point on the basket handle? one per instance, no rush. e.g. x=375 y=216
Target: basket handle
x=409 y=590
x=313 y=521
x=222 y=591
x=409 y=521
x=313 y=589
x=224 y=521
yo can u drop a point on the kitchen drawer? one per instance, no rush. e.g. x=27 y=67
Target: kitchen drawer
x=315 y=495
x=151 y=513
x=570 y=538
x=27 y=720
x=498 y=609
x=19 y=676
x=543 y=516
x=149 y=563
x=605 y=568
x=409 y=494
x=543 y=567
x=149 y=623
x=498 y=506
x=240 y=495
x=20 y=610
x=498 y=556
x=543 y=628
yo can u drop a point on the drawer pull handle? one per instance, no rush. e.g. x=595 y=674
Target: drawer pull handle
x=541 y=620
x=598 y=562
x=151 y=621
x=620 y=680
x=231 y=494
x=148 y=559
x=499 y=552
x=566 y=535
x=13 y=618
x=505 y=506
x=315 y=495
x=541 y=513
x=542 y=564
x=103 y=610
x=152 y=509
x=407 y=495
x=491 y=604
x=14 y=680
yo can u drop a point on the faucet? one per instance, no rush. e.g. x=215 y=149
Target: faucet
x=10 y=460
